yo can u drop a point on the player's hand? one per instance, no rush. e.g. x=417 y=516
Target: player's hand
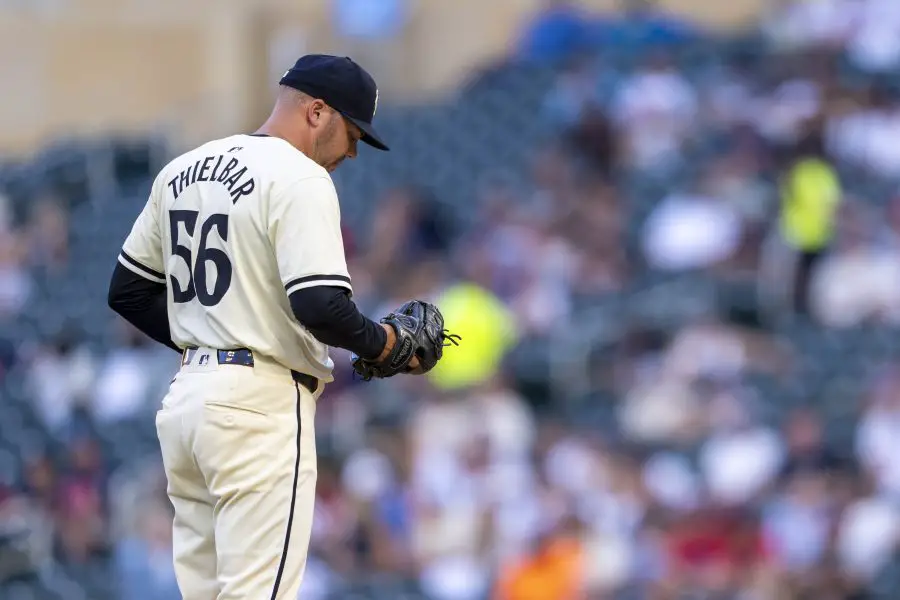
x=414 y=366
x=415 y=342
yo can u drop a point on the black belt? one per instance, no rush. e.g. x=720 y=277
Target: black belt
x=244 y=358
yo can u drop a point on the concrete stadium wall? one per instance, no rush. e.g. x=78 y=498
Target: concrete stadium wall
x=206 y=67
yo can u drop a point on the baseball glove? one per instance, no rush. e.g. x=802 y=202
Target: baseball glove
x=420 y=333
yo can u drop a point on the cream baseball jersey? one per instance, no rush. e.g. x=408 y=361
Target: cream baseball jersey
x=232 y=228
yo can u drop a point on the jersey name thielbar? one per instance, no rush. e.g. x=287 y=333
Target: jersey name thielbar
x=224 y=169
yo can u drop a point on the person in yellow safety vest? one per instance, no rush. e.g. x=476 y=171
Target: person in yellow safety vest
x=811 y=194
x=810 y=198
x=488 y=328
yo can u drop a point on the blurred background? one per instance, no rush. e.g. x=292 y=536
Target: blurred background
x=668 y=232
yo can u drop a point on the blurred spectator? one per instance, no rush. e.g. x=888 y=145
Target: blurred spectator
x=552 y=177
x=860 y=281
x=25 y=538
x=505 y=420
x=867 y=536
x=82 y=508
x=41 y=481
x=672 y=481
x=530 y=268
x=789 y=114
x=866 y=28
x=61 y=376
x=451 y=526
x=478 y=316
x=407 y=229
x=654 y=110
x=335 y=522
x=16 y=283
x=319 y=582
x=878 y=434
x=48 y=235
x=370 y=19
x=574 y=94
x=691 y=231
x=9 y=356
x=874 y=46
x=890 y=232
x=144 y=559
x=6 y=214
x=595 y=228
x=553 y=569
x=810 y=199
x=664 y=409
x=860 y=130
x=737 y=179
x=741 y=457
x=798 y=523
x=715 y=552
x=592 y=139
x=132 y=375
x=811 y=22
x=383 y=502
x=611 y=509
x=806 y=449
x=646 y=23
x=559 y=31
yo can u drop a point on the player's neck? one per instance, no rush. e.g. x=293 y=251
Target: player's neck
x=294 y=138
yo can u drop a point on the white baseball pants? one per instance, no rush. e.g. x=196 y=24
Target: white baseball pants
x=238 y=446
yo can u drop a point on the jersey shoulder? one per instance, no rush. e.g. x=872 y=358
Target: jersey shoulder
x=277 y=158
x=289 y=172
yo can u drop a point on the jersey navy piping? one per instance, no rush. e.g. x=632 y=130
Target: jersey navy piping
x=138 y=265
x=309 y=278
x=290 y=523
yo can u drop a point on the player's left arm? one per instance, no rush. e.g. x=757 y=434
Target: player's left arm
x=305 y=231
x=137 y=290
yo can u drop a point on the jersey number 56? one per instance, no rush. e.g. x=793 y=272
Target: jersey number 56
x=197 y=284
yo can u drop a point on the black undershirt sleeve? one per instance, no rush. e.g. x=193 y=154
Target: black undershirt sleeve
x=326 y=311
x=332 y=318
x=142 y=303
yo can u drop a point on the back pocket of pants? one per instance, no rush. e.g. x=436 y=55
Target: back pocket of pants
x=225 y=407
x=235 y=447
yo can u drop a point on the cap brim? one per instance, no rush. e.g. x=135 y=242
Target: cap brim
x=369 y=135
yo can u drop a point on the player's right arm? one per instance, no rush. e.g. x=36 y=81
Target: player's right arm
x=305 y=230
x=137 y=290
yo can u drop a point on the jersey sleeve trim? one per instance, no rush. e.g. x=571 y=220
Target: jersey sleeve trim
x=139 y=269
x=313 y=280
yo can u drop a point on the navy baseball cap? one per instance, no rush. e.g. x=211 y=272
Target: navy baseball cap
x=341 y=84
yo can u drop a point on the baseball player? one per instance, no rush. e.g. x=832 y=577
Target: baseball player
x=237 y=262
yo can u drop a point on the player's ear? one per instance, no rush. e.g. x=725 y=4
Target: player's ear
x=315 y=112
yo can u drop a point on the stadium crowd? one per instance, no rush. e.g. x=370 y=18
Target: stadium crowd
x=488 y=480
